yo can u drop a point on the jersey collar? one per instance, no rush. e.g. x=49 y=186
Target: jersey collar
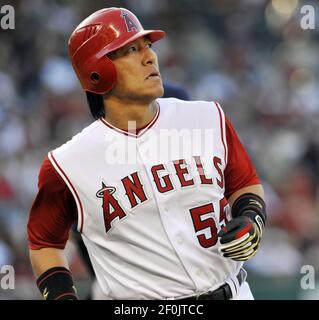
x=139 y=131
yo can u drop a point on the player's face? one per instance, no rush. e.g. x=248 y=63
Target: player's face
x=138 y=76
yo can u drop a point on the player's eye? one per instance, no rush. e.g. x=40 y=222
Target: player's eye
x=149 y=45
x=132 y=49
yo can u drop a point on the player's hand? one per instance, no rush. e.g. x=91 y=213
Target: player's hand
x=240 y=238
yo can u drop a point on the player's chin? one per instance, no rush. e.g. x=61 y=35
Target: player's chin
x=156 y=90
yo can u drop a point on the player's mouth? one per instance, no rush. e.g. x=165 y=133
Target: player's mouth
x=154 y=75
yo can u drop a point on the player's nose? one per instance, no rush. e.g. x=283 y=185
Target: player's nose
x=149 y=57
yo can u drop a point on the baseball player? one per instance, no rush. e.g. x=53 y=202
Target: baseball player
x=170 y=90
x=165 y=197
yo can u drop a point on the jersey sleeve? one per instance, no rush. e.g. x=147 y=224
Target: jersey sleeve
x=240 y=171
x=53 y=211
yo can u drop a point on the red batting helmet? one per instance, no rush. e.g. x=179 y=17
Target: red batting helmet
x=102 y=32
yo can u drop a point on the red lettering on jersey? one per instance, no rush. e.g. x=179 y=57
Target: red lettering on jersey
x=168 y=186
x=180 y=172
x=223 y=206
x=110 y=202
x=201 y=172
x=217 y=164
x=133 y=188
x=201 y=224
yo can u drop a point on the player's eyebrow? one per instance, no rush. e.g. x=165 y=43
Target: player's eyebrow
x=120 y=52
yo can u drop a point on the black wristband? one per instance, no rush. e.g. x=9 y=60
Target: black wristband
x=57 y=284
x=252 y=206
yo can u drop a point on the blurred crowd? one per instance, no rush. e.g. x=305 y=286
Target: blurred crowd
x=250 y=55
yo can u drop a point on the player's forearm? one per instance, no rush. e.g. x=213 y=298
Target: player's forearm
x=250 y=201
x=255 y=189
x=54 y=278
x=46 y=258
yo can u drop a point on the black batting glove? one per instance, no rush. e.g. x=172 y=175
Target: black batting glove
x=240 y=238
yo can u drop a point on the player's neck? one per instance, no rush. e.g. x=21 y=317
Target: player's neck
x=119 y=114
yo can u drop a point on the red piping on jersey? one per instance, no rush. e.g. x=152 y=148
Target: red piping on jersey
x=221 y=128
x=77 y=196
x=129 y=134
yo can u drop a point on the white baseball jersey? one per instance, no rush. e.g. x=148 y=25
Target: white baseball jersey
x=150 y=205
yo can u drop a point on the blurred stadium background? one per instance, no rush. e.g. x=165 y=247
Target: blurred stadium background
x=250 y=55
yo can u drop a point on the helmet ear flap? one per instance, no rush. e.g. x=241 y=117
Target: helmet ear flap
x=101 y=75
x=88 y=52
x=97 y=76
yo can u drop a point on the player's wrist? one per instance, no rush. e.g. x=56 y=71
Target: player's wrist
x=240 y=238
x=256 y=218
x=252 y=206
x=57 y=284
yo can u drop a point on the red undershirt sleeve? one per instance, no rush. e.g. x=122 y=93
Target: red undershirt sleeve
x=239 y=172
x=53 y=211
